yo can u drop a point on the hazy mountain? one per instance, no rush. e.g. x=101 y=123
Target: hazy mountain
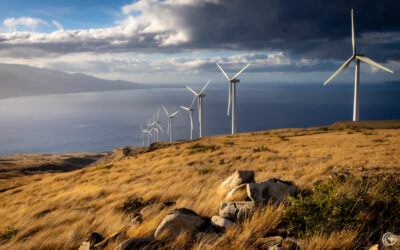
x=21 y=80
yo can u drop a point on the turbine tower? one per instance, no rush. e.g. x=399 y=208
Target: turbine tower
x=200 y=96
x=191 y=110
x=357 y=57
x=170 y=117
x=232 y=94
x=145 y=131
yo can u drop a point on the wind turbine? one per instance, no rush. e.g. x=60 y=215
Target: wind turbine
x=191 y=110
x=357 y=57
x=232 y=94
x=200 y=96
x=157 y=125
x=170 y=117
x=146 y=131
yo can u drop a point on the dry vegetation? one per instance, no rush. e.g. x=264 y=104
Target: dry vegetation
x=58 y=210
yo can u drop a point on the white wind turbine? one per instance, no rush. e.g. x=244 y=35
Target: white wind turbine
x=191 y=110
x=200 y=96
x=170 y=117
x=157 y=125
x=357 y=57
x=232 y=94
x=146 y=131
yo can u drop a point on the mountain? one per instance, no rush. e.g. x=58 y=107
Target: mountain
x=21 y=80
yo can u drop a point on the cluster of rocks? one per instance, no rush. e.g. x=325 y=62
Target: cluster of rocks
x=241 y=195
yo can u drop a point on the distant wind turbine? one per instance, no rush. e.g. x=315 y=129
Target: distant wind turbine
x=145 y=131
x=170 y=118
x=232 y=94
x=357 y=57
x=191 y=110
x=200 y=96
x=157 y=125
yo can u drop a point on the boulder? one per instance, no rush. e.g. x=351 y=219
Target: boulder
x=219 y=221
x=178 y=221
x=273 y=189
x=238 y=178
x=235 y=210
x=238 y=193
x=265 y=243
x=136 y=243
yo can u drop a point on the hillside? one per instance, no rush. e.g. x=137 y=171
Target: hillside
x=58 y=210
x=21 y=80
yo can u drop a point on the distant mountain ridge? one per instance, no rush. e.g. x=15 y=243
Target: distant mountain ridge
x=21 y=80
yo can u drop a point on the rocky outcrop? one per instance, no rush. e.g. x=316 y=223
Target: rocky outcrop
x=91 y=240
x=273 y=189
x=219 y=221
x=235 y=210
x=178 y=221
x=238 y=178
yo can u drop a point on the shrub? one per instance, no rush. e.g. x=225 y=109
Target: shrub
x=199 y=148
x=206 y=171
x=369 y=206
x=133 y=205
x=7 y=235
x=263 y=149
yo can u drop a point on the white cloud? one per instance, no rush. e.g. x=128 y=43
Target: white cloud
x=57 y=24
x=27 y=22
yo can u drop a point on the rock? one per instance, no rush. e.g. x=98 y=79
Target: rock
x=221 y=222
x=374 y=247
x=178 y=221
x=91 y=240
x=235 y=210
x=238 y=178
x=272 y=189
x=136 y=243
x=238 y=193
x=291 y=244
x=264 y=243
x=113 y=238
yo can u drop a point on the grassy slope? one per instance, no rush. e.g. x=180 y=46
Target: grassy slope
x=60 y=209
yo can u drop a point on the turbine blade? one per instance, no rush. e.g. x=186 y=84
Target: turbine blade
x=165 y=110
x=229 y=98
x=175 y=113
x=191 y=90
x=158 y=113
x=223 y=72
x=245 y=67
x=339 y=70
x=185 y=108
x=194 y=98
x=367 y=60
x=159 y=126
x=205 y=86
x=353 y=40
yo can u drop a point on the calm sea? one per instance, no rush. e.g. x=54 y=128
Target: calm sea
x=102 y=121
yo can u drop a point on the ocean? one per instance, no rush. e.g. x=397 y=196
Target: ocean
x=103 y=121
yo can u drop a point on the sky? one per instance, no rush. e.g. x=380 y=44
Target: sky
x=179 y=41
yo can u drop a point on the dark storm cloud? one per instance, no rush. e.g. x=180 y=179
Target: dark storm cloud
x=309 y=28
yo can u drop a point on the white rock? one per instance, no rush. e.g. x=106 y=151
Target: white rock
x=221 y=222
x=178 y=221
x=238 y=178
x=272 y=189
x=235 y=210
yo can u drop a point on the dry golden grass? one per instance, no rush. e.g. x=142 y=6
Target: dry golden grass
x=59 y=210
